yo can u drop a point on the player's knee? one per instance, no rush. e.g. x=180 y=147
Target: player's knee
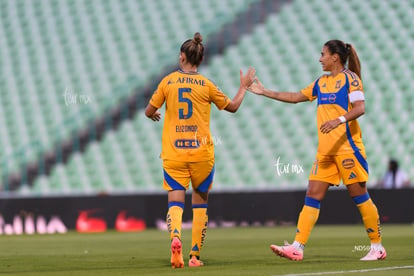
x=199 y=197
x=317 y=190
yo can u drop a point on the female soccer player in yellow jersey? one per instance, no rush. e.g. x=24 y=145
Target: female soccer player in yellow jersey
x=187 y=145
x=341 y=153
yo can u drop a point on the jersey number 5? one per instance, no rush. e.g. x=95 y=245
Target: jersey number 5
x=183 y=99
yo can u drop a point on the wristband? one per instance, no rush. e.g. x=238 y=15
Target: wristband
x=342 y=119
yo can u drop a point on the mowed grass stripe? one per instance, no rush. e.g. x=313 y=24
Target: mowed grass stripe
x=232 y=251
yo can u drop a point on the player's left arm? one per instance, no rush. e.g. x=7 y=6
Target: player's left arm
x=356 y=99
x=358 y=109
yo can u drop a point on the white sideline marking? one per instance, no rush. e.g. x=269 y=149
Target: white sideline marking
x=353 y=271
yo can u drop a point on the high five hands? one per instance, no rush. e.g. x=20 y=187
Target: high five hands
x=247 y=80
x=256 y=87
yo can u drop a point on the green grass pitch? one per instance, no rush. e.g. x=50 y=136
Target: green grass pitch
x=231 y=251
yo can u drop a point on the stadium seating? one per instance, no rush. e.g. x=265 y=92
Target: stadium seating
x=97 y=48
x=296 y=34
x=94 y=51
x=82 y=57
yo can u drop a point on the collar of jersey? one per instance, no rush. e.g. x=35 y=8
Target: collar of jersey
x=186 y=72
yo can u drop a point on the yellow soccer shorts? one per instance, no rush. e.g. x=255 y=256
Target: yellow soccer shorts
x=178 y=174
x=350 y=168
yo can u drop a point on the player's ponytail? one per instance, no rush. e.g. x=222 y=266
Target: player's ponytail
x=353 y=60
x=194 y=49
x=346 y=53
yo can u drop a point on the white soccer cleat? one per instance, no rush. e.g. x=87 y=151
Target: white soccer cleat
x=287 y=251
x=375 y=254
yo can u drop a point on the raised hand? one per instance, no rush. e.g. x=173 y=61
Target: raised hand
x=256 y=87
x=248 y=79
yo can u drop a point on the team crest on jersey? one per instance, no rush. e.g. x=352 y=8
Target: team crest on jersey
x=348 y=163
x=338 y=84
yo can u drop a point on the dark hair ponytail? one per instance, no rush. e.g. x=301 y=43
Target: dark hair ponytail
x=353 y=60
x=346 y=53
x=194 y=49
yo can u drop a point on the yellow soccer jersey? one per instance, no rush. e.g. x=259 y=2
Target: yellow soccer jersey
x=188 y=97
x=335 y=97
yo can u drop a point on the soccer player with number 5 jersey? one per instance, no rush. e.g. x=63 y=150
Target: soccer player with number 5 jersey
x=187 y=146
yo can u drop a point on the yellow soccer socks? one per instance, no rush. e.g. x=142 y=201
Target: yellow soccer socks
x=370 y=217
x=174 y=218
x=307 y=219
x=200 y=221
x=310 y=213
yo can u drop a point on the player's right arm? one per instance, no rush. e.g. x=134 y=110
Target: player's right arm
x=156 y=101
x=287 y=97
x=152 y=113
